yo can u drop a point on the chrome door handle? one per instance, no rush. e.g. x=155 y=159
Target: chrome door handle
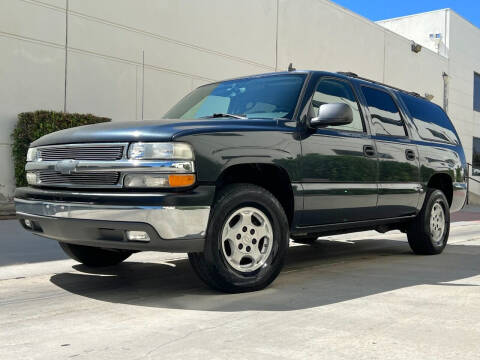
x=410 y=154
x=369 y=151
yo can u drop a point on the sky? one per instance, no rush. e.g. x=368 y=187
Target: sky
x=385 y=9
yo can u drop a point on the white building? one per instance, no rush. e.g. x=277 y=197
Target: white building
x=129 y=59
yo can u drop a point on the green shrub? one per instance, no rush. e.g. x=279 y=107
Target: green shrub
x=33 y=125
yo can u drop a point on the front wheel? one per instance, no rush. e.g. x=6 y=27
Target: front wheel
x=93 y=256
x=246 y=242
x=428 y=232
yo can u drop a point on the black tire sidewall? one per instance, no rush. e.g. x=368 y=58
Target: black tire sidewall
x=436 y=196
x=239 y=196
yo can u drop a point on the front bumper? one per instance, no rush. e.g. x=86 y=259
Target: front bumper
x=175 y=222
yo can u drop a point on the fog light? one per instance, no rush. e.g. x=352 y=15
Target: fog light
x=137 y=236
x=28 y=223
x=32 y=178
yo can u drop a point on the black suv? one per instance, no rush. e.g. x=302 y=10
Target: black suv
x=238 y=167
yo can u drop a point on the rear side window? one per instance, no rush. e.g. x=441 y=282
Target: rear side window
x=386 y=119
x=431 y=121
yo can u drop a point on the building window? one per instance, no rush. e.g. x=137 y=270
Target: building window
x=476 y=156
x=476 y=92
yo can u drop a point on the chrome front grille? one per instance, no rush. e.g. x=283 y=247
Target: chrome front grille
x=94 y=165
x=48 y=177
x=101 y=152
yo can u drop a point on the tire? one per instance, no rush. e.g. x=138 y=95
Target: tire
x=426 y=238
x=243 y=263
x=94 y=257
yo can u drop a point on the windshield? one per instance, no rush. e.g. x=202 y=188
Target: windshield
x=266 y=97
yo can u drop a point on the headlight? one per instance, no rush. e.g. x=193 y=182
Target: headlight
x=32 y=154
x=163 y=151
x=158 y=180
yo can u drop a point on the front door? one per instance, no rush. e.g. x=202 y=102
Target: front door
x=398 y=173
x=339 y=164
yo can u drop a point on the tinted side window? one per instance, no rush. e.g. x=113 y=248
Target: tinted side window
x=386 y=119
x=431 y=121
x=476 y=92
x=331 y=91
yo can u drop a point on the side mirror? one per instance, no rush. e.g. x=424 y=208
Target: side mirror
x=332 y=115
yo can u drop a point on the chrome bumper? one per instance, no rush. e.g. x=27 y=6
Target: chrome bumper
x=170 y=222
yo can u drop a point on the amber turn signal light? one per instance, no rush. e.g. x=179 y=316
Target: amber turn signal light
x=182 y=180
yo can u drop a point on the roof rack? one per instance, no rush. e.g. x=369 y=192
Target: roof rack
x=353 y=75
x=348 y=73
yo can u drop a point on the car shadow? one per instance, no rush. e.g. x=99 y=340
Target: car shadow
x=325 y=273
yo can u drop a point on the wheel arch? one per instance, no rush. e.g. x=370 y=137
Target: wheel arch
x=443 y=182
x=273 y=178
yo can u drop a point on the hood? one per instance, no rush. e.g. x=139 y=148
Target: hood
x=148 y=130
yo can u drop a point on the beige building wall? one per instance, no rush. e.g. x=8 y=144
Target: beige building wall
x=335 y=39
x=184 y=44
x=122 y=56
x=32 y=56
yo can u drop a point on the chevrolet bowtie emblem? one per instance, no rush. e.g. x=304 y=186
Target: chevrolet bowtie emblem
x=66 y=167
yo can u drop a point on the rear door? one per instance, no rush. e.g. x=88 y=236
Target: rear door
x=398 y=173
x=339 y=164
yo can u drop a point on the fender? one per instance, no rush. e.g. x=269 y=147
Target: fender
x=257 y=142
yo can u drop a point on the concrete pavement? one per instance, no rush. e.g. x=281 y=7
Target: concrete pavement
x=362 y=296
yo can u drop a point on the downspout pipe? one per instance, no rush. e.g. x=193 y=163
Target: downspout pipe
x=445 y=91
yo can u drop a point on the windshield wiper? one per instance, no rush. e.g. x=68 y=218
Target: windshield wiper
x=220 y=115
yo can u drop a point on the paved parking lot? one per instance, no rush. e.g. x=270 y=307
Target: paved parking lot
x=362 y=296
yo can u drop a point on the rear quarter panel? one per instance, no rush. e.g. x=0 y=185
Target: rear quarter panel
x=439 y=158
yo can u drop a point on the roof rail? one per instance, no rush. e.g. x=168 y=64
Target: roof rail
x=348 y=73
x=413 y=93
x=353 y=75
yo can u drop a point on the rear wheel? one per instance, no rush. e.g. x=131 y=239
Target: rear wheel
x=94 y=257
x=246 y=242
x=428 y=232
